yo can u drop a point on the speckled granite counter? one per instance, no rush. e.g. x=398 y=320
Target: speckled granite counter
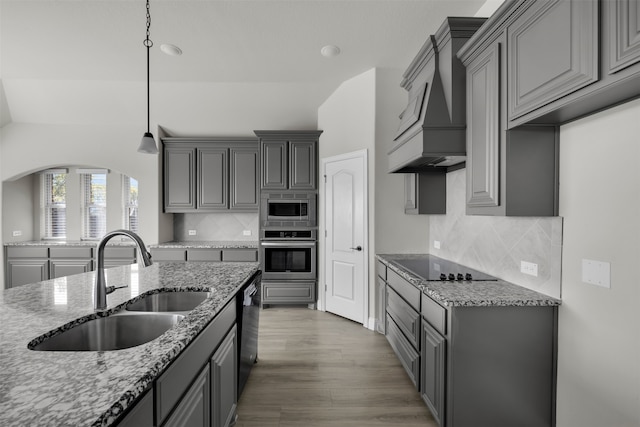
x=82 y=243
x=40 y=388
x=231 y=244
x=469 y=293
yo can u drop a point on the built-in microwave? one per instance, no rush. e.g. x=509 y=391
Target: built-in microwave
x=288 y=210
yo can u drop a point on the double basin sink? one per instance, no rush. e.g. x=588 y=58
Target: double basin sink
x=140 y=322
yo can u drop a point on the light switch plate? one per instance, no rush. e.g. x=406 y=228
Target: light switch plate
x=246 y=232
x=596 y=273
x=17 y=233
x=192 y=232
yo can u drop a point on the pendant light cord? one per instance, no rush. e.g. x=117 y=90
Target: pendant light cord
x=148 y=43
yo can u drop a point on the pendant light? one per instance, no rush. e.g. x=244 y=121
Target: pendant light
x=148 y=143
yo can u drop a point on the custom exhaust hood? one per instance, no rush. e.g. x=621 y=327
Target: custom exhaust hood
x=432 y=131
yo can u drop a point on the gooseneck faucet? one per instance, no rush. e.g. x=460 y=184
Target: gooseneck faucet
x=101 y=289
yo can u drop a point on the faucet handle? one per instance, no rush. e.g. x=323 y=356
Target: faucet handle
x=113 y=288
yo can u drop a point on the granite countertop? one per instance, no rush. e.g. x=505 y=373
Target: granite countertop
x=81 y=243
x=88 y=388
x=469 y=293
x=213 y=244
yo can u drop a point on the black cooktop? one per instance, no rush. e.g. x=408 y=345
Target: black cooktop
x=431 y=267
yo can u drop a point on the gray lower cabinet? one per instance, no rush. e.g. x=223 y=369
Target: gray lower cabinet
x=381 y=303
x=141 y=415
x=433 y=370
x=210 y=174
x=204 y=254
x=65 y=261
x=195 y=407
x=224 y=381
x=407 y=354
x=168 y=254
x=288 y=292
x=26 y=265
x=115 y=256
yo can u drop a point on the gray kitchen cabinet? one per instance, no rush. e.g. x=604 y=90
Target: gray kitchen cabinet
x=509 y=172
x=426 y=192
x=302 y=165
x=211 y=174
x=432 y=370
x=244 y=186
x=381 y=303
x=288 y=159
x=203 y=254
x=553 y=51
x=65 y=261
x=288 y=292
x=195 y=407
x=245 y=255
x=624 y=33
x=406 y=318
x=141 y=415
x=224 y=381
x=26 y=265
x=179 y=178
x=212 y=179
x=168 y=254
x=274 y=165
x=115 y=256
x=407 y=354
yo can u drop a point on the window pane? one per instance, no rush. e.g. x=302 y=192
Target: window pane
x=130 y=196
x=54 y=198
x=94 y=205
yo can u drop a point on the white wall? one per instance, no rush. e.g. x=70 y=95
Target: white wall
x=599 y=329
x=362 y=114
x=27 y=148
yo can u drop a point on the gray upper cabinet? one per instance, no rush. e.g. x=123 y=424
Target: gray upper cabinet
x=210 y=174
x=553 y=51
x=244 y=165
x=289 y=159
x=624 y=33
x=179 y=178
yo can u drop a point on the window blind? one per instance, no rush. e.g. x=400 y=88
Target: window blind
x=54 y=204
x=94 y=205
x=130 y=203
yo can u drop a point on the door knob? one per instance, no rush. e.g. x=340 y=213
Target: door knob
x=357 y=248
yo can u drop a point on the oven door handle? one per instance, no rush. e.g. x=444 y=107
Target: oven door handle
x=295 y=243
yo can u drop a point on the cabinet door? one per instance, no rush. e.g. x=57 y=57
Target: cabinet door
x=179 y=179
x=553 y=51
x=194 y=409
x=244 y=179
x=433 y=371
x=483 y=128
x=140 y=415
x=624 y=34
x=168 y=254
x=213 y=193
x=302 y=165
x=24 y=271
x=274 y=165
x=224 y=381
x=67 y=267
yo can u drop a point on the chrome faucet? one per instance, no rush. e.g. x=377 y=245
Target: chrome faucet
x=101 y=289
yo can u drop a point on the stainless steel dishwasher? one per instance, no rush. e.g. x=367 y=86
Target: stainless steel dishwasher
x=249 y=305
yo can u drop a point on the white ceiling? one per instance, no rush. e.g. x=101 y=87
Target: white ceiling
x=83 y=61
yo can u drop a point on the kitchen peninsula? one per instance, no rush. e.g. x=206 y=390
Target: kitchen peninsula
x=95 y=388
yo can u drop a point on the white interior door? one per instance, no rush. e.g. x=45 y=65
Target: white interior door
x=346 y=236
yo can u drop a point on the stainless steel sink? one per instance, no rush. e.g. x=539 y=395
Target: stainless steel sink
x=114 y=332
x=169 y=301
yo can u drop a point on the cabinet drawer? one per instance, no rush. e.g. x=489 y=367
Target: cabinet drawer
x=66 y=252
x=406 y=290
x=409 y=357
x=435 y=314
x=168 y=255
x=27 y=252
x=407 y=319
x=179 y=375
x=382 y=270
x=204 y=254
x=250 y=255
x=288 y=292
x=119 y=252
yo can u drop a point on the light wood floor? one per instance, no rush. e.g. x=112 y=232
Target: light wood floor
x=318 y=369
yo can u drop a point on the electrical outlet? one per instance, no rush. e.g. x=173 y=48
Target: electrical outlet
x=192 y=232
x=529 y=268
x=246 y=232
x=436 y=244
x=17 y=233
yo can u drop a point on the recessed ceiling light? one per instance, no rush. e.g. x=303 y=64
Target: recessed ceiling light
x=329 y=51
x=171 y=50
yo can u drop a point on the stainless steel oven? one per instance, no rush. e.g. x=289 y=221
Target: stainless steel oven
x=288 y=210
x=288 y=259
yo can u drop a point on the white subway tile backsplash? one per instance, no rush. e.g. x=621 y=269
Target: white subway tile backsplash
x=497 y=245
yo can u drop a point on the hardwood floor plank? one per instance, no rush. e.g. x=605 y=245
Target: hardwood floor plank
x=318 y=369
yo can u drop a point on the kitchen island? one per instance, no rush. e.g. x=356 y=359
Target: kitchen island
x=95 y=388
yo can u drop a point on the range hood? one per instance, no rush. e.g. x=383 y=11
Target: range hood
x=432 y=131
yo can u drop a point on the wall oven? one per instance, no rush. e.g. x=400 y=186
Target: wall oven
x=288 y=210
x=288 y=259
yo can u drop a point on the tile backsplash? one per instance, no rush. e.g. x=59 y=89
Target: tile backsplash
x=216 y=226
x=497 y=245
